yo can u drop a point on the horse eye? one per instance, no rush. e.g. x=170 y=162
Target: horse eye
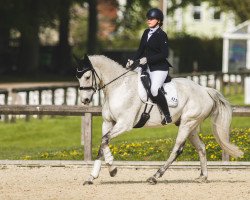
x=88 y=77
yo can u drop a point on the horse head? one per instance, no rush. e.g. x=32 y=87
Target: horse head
x=88 y=79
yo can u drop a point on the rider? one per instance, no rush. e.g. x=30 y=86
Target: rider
x=153 y=53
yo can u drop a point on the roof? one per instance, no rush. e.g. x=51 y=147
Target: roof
x=241 y=31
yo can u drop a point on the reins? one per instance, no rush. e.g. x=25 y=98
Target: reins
x=132 y=67
x=94 y=86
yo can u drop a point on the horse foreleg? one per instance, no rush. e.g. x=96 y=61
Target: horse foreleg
x=103 y=151
x=116 y=130
x=183 y=133
x=96 y=168
x=201 y=149
x=108 y=157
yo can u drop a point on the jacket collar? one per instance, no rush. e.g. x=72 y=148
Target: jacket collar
x=154 y=33
x=153 y=29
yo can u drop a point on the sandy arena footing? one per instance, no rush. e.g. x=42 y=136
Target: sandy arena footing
x=66 y=182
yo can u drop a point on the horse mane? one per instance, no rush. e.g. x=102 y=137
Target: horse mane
x=101 y=60
x=109 y=68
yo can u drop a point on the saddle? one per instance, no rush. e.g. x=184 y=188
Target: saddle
x=168 y=89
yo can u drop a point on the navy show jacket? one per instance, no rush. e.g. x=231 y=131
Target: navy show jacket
x=155 y=50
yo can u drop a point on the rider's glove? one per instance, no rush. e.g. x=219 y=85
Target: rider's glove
x=129 y=63
x=143 y=61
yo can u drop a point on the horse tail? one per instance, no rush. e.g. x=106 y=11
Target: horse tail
x=221 y=118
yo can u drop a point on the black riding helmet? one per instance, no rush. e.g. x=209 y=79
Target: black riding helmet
x=155 y=13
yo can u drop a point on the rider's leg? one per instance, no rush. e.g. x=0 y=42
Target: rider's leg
x=158 y=97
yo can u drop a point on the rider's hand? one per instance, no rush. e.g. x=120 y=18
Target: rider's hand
x=143 y=61
x=129 y=63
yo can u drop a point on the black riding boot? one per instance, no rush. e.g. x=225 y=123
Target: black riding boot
x=161 y=101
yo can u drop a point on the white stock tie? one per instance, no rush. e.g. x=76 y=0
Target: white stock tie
x=150 y=33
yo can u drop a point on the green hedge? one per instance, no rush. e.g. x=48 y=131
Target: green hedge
x=207 y=52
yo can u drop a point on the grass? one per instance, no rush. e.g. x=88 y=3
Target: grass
x=236 y=99
x=24 y=138
x=59 y=138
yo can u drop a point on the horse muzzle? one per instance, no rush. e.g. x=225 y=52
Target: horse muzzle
x=85 y=101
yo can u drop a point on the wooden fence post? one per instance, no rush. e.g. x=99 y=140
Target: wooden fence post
x=27 y=118
x=53 y=99
x=65 y=95
x=6 y=117
x=39 y=101
x=77 y=94
x=87 y=131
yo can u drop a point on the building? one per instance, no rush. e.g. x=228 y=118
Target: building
x=107 y=15
x=200 y=20
x=236 y=48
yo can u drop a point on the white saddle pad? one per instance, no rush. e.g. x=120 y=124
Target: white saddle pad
x=170 y=89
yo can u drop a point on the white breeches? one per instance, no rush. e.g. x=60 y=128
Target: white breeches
x=157 y=80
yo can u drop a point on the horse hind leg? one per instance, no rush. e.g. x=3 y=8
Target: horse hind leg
x=201 y=149
x=177 y=150
x=182 y=136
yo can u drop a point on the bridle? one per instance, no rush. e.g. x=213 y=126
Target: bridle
x=87 y=66
x=94 y=85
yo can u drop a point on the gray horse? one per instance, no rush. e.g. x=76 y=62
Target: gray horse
x=122 y=109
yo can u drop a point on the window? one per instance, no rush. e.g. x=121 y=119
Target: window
x=216 y=15
x=197 y=12
x=197 y=15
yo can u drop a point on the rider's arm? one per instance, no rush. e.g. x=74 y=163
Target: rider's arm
x=141 y=48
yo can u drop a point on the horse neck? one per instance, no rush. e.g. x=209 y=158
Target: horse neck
x=107 y=69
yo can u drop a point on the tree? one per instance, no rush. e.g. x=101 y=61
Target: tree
x=92 y=27
x=134 y=15
x=27 y=16
x=240 y=8
x=63 y=60
x=4 y=37
x=29 y=41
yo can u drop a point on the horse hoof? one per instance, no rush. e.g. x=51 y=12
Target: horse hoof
x=88 y=183
x=113 y=172
x=152 y=180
